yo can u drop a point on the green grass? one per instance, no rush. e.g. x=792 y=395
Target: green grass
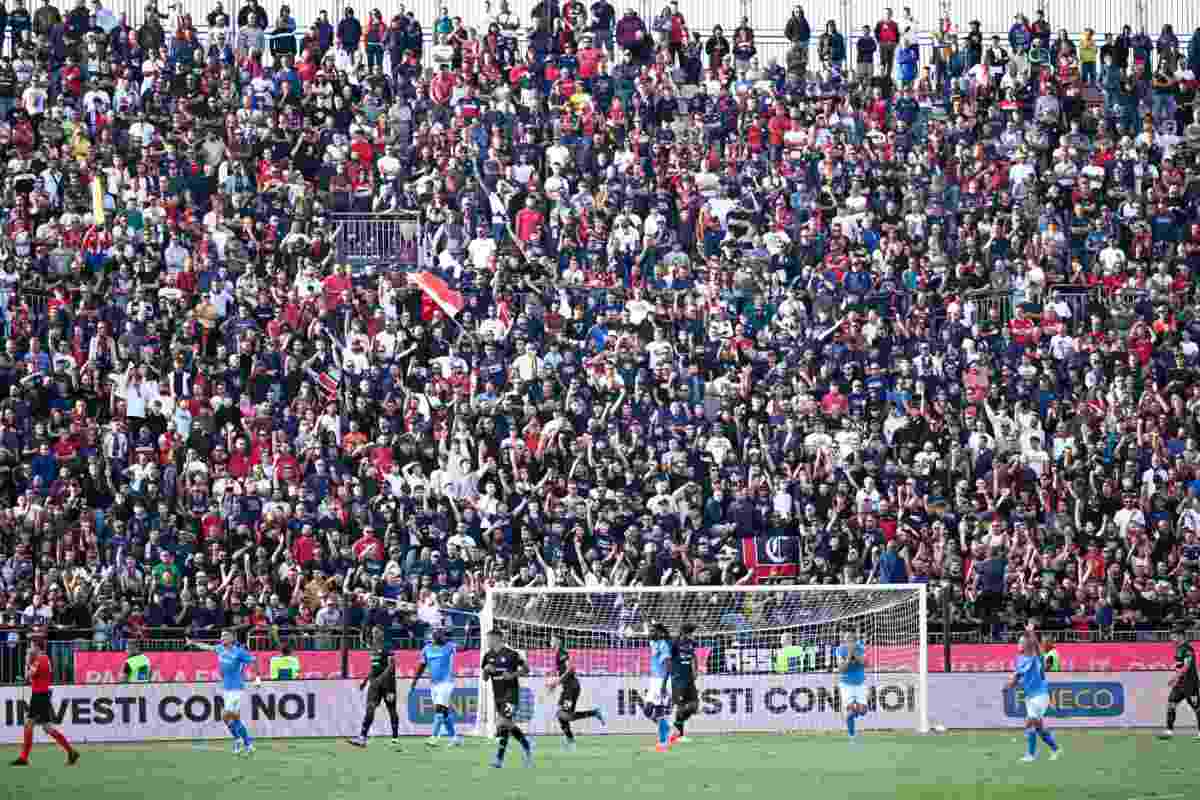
x=1097 y=765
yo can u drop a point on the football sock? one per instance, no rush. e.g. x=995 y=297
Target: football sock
x=664 y=730
x=26 y=744
x=243 y=733
x=232 y=725
x=368 y=721
x=395 y=719
x=62 y=740
x=521 y=740
x=449 y=723
x=850 y=719
x=1048 y=738
x=502 y=747
x=1170 y=719
x=437 y=725
x=566 y=729
x=590 y=714
x=1031 y=741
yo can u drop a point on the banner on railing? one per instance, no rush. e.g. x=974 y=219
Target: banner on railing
x=139 y=712
x=107 y=667
x=191 y=666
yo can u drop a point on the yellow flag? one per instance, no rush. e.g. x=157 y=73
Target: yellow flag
x=97 y=200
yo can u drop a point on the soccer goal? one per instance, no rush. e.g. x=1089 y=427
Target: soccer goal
x=766 y=657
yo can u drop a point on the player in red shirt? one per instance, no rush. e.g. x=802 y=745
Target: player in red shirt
x=40 y=710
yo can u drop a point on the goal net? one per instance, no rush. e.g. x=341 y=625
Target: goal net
x=765 y=659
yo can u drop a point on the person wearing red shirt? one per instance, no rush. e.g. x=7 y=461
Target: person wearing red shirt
x=1024 y=331
x=368 y=545
x=41 y=711
x=529 y=221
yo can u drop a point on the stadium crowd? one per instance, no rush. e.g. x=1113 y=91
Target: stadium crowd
x=914 y=305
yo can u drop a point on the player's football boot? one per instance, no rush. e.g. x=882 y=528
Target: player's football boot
x=662 y=748
x=357 y=741
x=1166 y=734
x=396 y=740
x=72 y=758
x=249 y=750
x=600 y=716
x=527 y=755
x=674 y=739
x=497 y=763
x=569 y=745
x=1028 y=758
x=1055 y=755
x=237 y=747
x=432 y=741
x=18 y=762
x=456 y=741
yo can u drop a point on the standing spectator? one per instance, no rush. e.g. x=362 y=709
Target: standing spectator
x=349 y=32
x=799 y=33
x=1089 y=55
x=887 y=35
x=604 y=20
x=831 y=48
x=865 y=49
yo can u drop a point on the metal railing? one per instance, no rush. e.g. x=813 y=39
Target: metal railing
x=64 y=645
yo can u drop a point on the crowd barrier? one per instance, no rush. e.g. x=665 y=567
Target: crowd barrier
x=131 y=713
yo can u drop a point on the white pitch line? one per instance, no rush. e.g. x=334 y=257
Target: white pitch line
x=1160 y=796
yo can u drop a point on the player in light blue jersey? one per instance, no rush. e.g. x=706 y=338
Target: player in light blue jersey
x=851 y=657
x=232 y=660
x=1031 y=676
x=658 y=691
x=438 y=658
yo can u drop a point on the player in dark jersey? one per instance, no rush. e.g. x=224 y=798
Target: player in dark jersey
x=41 y=710
x=684 y=695
x=505 y=667
x=382 y=682
x=1185 y=686
x=569 y=698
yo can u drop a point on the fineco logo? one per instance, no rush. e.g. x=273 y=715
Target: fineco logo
x=1073 y=700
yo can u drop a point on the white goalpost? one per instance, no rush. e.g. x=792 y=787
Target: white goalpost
x=765 y=658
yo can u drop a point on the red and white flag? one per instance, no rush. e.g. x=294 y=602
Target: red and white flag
x=504 y=314
x=437 y=290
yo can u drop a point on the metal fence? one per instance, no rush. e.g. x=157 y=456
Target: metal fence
x=63 y=645
x=379 y=241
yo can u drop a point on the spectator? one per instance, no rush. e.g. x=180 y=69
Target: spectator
x=887 y=35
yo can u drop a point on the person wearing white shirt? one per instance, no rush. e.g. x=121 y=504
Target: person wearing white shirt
x=527 y=365
x=480 y=251
x=1035 y=456
x=1062 y=346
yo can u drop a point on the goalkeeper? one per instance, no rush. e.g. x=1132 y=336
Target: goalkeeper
x=684 y=695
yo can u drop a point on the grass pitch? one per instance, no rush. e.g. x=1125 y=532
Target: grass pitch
x=1096 y=765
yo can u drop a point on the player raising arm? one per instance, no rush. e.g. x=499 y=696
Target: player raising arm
x=382 y=680
x=658 y=706
x=571 y=689
x=684 y=694
x=41 y=711
x=851 y=657
x=438 y=657
x=504 y=667
x=1185 y=683
x=1031 y=676
x=232 y=659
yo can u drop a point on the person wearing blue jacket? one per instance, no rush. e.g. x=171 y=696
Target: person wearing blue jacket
x=349 y=31
x=832 y=47
x=1019 y=37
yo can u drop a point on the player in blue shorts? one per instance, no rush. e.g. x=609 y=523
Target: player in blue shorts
x=851 y=657
x=232 y=660
x=658 y=692
x=438 y=658
x=1031 y=675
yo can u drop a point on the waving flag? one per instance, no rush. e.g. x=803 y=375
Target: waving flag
x=770 y=556
x=438 y=292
